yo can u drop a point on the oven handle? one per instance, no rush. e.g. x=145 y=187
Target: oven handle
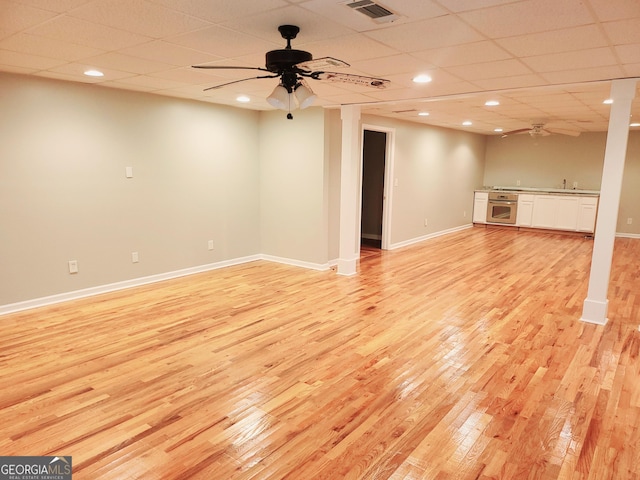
x=503 y=202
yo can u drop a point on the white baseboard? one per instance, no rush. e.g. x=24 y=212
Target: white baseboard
x=112 y=287
x=413 y=241
x=136 y=282
x=371 y=236
x=627 y=235
x=297 y=263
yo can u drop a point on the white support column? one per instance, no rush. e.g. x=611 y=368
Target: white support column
x=349 y=190
x=596 y=304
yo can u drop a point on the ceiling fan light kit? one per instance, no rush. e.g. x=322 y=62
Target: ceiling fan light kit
x=293 y=66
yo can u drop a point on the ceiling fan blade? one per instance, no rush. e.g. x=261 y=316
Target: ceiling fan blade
x=321 y=64
x=350 y=78
x=516 y=132
x=238 y=81
x=224 y=67
x=562 y=131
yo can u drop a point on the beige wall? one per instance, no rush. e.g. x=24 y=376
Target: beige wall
x=64 y=196
x=293 y=175
x=547 y=161
x=437 y=170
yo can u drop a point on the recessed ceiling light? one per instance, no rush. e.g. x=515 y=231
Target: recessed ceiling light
x=608 y=101
x=467 y=123
x=492 y=103
x=243 y=99
x=422 y=78
x=424 y=114
x=94 y=73
x=497 y=130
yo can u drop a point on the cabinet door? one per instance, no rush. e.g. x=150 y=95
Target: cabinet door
x=524 y=217
x=544 y=211
x=567 y=212
x=587 y=214
x=480 y=204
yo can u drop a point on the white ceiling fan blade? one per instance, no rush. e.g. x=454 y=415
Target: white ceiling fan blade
x=322 y=64
x=350 y=78
x=563 y=131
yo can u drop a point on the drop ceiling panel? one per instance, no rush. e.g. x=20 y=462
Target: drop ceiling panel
x=47 y=47
x=221 y=10
x=556 y=62
x=138 y=16
x=525 y=17
x=608 y=10
x=432 y=33
x=566 y=40
x=222 y=42
x=75 y=30
x=469 y=53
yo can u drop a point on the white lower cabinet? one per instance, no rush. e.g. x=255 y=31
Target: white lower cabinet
x=524 y=217
x=480 y=204
x=587 y=214
x=564 y=212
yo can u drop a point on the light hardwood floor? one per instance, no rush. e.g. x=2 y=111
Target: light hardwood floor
x=458 y=358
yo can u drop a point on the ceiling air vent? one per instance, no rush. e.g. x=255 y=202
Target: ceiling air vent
x=374 y=11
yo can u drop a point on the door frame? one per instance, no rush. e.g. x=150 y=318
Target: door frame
x=388 y=182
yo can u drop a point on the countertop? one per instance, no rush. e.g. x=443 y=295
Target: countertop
x=540 y=190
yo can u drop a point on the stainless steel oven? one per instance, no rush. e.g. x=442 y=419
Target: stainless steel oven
x=502 y=207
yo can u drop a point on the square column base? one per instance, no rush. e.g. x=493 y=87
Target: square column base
x=595 y=311
x=347 y=267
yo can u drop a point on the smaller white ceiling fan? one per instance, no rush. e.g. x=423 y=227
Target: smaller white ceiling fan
x=538 y=129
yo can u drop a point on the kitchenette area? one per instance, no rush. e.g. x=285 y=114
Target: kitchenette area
x=558 y=209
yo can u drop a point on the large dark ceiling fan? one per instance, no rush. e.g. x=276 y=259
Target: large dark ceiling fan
x=293 y=66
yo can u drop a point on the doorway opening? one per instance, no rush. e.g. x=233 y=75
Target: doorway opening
x=374 y=211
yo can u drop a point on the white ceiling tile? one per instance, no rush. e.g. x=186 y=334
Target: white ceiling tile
x=583 y=74
x=222 y=42
x=76 y=72
x=506 y=83
x=566 y=40
x=595 y=57
x=15 y=17
x=265 y=26
x=497 y=69
x=47 y=47
x=138 y=16
x=160 y=51
x=75 y=30
x=623 y=32
x=465 y=5
x=126 y=63
x=58 y=6
x=402 y=63
x=469 y=53
x=221 y=10
x=529 y=16
x=608 y=10
x=432 y=33
x=29 y=61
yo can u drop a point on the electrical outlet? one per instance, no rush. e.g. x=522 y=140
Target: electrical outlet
x=575 y=184
x=426 y=222
x=464 y=214
x=73 y=266
x=629 y=221
x=210 y=245
x=517 y=183
x=134 y=257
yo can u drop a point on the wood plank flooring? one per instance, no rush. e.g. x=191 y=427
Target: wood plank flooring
x=458 y=358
